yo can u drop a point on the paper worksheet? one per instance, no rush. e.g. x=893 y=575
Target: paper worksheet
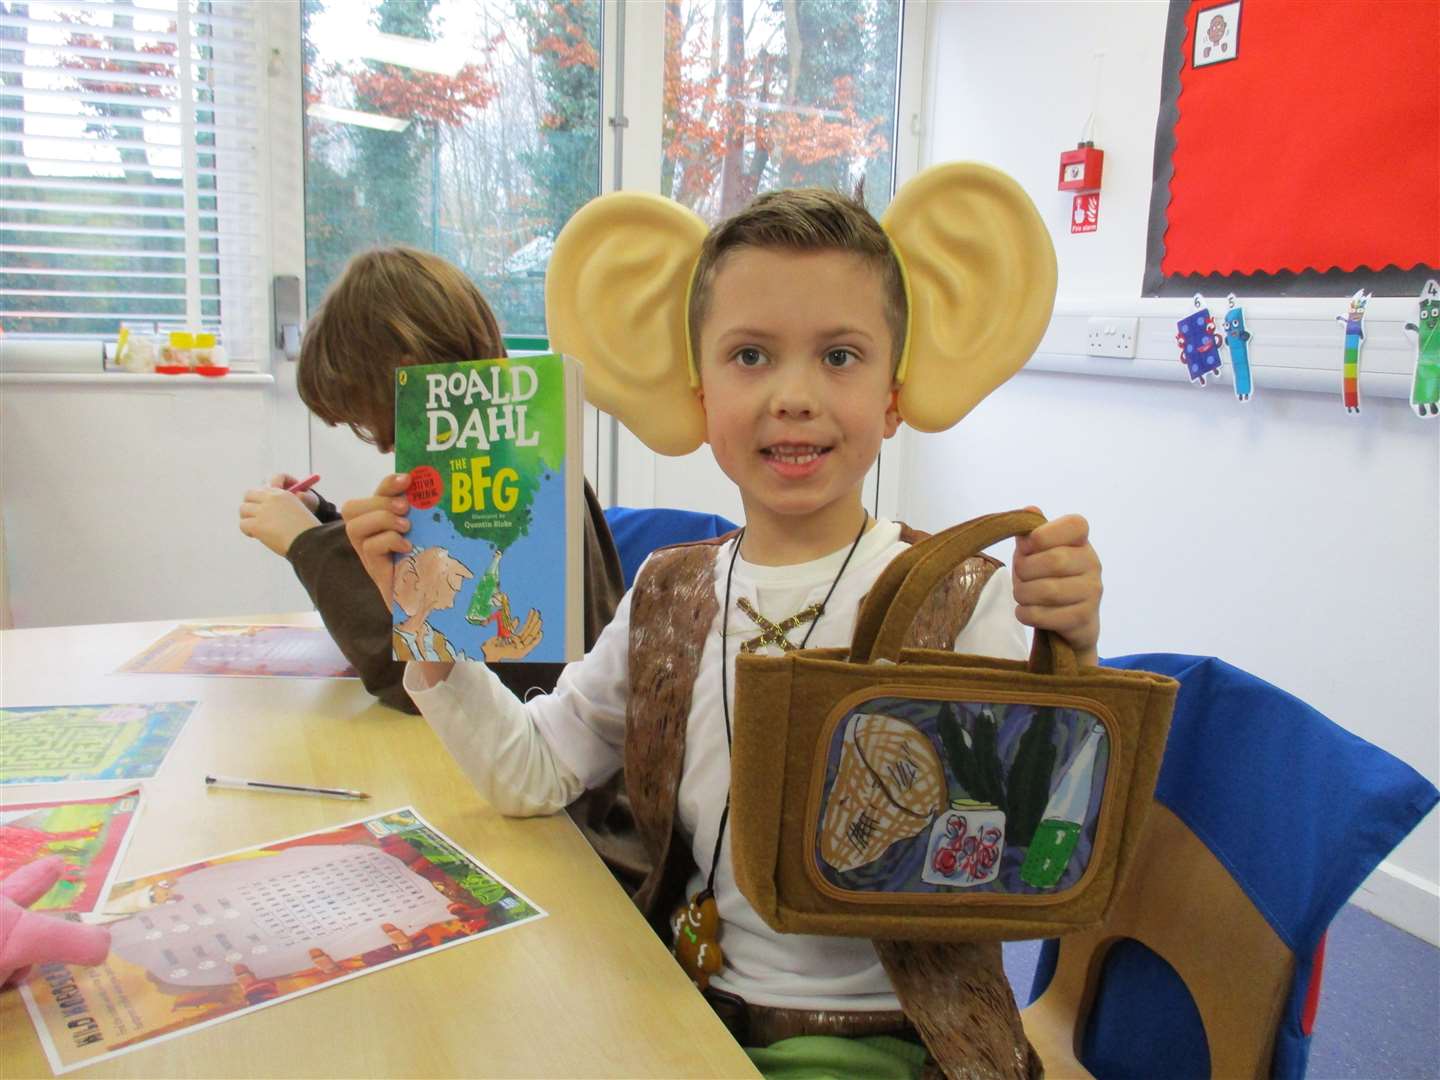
x=90 y=834
x=244 y=650
x=52 y=744
x=200 y=944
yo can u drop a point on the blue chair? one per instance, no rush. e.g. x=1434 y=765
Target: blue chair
x=1268 y=816
x=638 y=532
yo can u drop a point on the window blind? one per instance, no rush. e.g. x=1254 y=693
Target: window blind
x=130 y=171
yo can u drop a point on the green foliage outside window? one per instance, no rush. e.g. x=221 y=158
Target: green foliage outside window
x=495 y=156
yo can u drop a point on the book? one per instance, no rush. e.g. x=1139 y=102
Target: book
x=494 y=455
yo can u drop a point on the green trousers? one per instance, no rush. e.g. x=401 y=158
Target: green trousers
x=831 y=1057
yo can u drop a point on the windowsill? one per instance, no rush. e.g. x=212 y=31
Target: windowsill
x=117 y=379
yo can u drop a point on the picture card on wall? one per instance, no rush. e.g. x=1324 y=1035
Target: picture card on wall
x=1217 y=37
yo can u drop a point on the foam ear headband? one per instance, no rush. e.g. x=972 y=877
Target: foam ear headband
x=975 y=256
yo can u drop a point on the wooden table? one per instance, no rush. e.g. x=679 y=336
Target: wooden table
x=588 y=991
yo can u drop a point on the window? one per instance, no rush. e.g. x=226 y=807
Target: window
x=470 y=128
x=766 y=94
x=129 y=159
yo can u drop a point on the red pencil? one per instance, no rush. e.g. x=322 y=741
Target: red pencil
x=303 y=485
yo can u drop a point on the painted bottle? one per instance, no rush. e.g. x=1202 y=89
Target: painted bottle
x=1058 y=833
x=483 y=604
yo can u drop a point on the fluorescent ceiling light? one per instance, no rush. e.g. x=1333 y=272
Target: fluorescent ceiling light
x=378 y=121
x=412 y=53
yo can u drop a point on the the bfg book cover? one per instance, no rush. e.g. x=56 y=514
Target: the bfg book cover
x=493 y=451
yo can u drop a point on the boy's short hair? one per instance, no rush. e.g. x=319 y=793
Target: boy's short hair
x=802 y=219
x=390 y=306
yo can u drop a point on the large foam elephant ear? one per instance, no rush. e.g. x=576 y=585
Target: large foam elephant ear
x=616 y=295
x=980 y=273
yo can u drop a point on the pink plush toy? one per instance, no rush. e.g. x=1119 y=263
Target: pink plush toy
x=30 y=937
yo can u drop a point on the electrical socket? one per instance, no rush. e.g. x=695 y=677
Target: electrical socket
x=1112 y=336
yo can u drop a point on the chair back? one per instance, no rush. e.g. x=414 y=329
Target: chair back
x=639 y=531
x=1268 y=817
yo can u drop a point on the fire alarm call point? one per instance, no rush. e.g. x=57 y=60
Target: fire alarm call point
x=1080 y=172
x=1080 y=168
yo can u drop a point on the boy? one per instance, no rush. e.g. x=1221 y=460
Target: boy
x=390 y=307
x=797 y=317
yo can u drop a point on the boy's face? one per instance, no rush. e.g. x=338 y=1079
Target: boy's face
x=795 y=369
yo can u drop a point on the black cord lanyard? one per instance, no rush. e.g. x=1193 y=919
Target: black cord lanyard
x=725 y=677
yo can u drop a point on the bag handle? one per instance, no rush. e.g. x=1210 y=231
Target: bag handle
x=963 y=540
x=895 y=598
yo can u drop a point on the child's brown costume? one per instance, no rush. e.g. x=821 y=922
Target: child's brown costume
x=958 y=989
x=979 y=274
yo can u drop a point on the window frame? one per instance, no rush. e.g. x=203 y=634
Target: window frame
x=632 y=54
x=633 y=79
x=86 y=353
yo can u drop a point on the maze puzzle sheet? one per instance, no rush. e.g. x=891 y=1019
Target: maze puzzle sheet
x=57 y=743
x=244 y=651
x=89 y=834
x=200 y=944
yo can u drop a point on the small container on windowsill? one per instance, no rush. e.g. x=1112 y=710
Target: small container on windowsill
x=176 y=353
x=134 y=350
x=208 y=357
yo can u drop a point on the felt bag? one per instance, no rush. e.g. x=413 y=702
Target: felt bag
x=905 y=793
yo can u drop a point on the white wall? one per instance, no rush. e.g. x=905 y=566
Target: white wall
x=1287 y=537
x=121 y=498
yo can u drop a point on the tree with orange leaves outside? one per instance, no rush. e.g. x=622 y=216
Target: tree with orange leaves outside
x=424 y=96
x=392 y=193
x=757 y=94
x=761 y=94
x=566 y=161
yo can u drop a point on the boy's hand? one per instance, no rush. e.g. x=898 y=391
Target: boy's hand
x=374 y=526
x=285 y=480
x=274 y=517
x=1057 y=584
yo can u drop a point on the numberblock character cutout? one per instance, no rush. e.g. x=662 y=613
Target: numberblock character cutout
x=1237 y=340
x=1199 y=343
x=1425 y=389
x=1354 y=320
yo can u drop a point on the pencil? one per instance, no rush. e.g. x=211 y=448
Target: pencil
x=303 y=485
x=290 y=789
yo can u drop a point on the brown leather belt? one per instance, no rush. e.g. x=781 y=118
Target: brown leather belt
x=761 y=1025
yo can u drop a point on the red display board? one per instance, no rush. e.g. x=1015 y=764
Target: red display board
x=1316 y=145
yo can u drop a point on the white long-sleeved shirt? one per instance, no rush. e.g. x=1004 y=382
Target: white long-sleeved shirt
x=536 y=757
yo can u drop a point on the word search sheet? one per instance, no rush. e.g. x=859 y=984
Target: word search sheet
x=244 y=651
x=196 y=945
